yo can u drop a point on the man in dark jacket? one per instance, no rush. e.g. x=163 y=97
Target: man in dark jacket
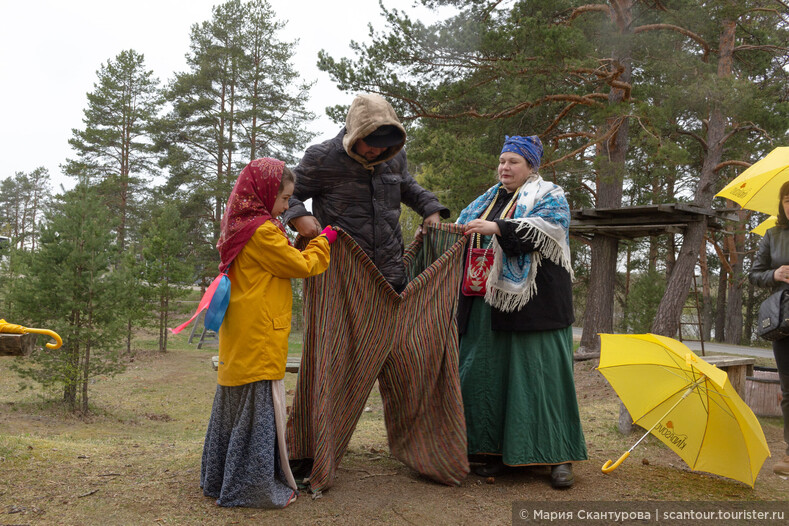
x=357 y=181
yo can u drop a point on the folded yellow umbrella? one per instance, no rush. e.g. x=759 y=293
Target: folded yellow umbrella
x=18 y=329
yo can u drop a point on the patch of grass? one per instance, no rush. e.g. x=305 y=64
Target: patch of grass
x=295 y=340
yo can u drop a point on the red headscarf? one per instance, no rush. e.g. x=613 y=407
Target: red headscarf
x=249 y=206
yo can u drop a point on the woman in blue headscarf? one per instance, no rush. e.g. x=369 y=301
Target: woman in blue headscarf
x=516 y=346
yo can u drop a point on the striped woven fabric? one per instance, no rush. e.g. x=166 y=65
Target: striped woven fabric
x=358 y=330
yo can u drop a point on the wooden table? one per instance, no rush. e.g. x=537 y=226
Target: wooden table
x=736 y=367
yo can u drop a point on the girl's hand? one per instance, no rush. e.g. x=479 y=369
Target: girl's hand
x=485 y=228
x=330 y=234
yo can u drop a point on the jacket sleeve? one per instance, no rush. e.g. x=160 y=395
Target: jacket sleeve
x=307 y=183
x=513 y=242
x=761 y=273
x=510 y=242
x=422 y=201
x=280 y=259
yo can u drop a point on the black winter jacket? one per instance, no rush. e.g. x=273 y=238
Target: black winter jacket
x=365 y=202
x=772 y=253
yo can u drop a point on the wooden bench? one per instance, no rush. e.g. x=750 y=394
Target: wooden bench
x=291 y=366
x=17 y=344
x=736 y=367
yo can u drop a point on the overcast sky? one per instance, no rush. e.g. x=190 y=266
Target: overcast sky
x=50 y=51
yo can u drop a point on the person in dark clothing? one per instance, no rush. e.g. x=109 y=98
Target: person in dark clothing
x=516 y=352
x=357 y=182
x=771 y=270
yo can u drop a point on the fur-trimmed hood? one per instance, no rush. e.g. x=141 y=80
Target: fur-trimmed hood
x=367 y=113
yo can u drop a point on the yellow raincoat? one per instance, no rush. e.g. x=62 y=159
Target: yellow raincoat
x=253 y=338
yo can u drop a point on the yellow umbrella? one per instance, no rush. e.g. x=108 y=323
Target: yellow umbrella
x=757 y=187
x=18 y=329
x=765 y=225
x=687 y=403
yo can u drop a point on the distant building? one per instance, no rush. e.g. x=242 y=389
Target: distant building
x=4 y=241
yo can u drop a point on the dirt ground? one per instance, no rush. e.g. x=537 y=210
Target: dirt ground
x=138 y=459
x=380 y=489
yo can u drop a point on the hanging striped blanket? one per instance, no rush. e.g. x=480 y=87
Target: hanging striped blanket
x=358 y=330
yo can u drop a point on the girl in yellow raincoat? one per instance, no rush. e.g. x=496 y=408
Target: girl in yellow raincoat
x=244 y=457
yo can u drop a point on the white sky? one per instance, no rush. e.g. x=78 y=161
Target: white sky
x=50 y=51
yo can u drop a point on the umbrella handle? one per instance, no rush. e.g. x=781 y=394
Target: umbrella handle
x=608 y=467
x=52 y=334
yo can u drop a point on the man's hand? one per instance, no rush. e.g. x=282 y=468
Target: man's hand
x=306 y=226
x=432 y=219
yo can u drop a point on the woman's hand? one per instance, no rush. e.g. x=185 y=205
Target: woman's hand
x=485 y=228
x=782 y=274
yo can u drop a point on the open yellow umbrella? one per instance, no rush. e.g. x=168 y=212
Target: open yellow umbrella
x=757 y=187
x=18 y=329
x=765 y=225
x=685 y=402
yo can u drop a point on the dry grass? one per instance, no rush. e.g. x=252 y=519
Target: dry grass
x=136 y=460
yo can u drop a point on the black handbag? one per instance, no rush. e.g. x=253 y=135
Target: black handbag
x=773 y=318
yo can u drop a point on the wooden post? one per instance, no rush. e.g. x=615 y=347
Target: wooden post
x=625 y=420
x=17 y=344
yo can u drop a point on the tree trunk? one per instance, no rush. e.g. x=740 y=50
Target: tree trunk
x=671 y=254
x=707 y=310
x=733 y=329
x=128 y=336
x=165 y=320
x=747 y=328
x=720 y=307
x=599 y=316
x=736 y=242
x=161 y=323
x=85 y=377
x=670 y=308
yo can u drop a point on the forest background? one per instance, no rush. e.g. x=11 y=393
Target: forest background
x=636 y=102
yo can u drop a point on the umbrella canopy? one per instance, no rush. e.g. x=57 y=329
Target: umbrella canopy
x=687 y=403
x=765 y=225
x=757 y=187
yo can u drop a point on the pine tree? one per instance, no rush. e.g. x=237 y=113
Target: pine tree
x=164 y=265
x=579 y=75
x=69 y=287
x=731 y=86
x=234 y=103
x=114 y=150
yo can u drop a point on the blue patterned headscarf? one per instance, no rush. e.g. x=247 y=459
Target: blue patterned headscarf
x=530 y=148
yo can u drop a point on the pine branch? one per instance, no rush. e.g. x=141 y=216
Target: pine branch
x=724 y=164
x=589 y=8
x=670 y=27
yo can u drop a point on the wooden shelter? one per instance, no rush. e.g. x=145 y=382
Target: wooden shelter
x=632 y=222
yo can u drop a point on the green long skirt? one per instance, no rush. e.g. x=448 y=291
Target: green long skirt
x=519 y=394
